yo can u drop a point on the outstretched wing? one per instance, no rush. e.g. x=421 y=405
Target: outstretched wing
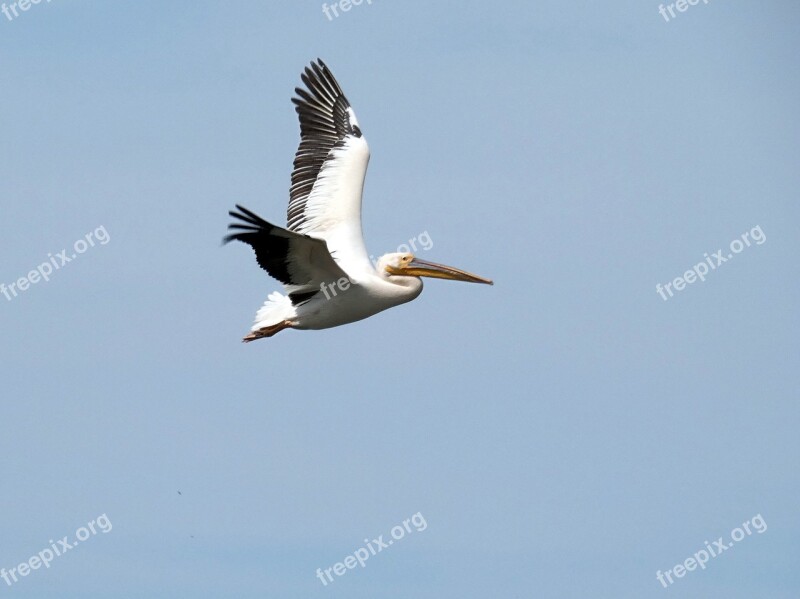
x=329 y=170
x=300 y=262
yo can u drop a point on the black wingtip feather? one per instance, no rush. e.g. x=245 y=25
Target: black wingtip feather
x=251 y=224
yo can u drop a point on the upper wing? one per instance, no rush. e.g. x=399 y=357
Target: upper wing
x=329 y=169
x=300 y=262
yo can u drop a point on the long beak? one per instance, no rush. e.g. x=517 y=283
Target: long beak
x=421 y=268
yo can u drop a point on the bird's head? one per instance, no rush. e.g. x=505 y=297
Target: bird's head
x=408 y=265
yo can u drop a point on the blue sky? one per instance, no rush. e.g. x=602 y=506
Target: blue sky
x=565 y=433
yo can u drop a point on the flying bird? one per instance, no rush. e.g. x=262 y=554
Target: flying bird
x=320 y=256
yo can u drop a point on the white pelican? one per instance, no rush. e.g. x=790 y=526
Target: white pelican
x=320 y=256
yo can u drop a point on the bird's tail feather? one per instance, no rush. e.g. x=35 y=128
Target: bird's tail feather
x=277 y=309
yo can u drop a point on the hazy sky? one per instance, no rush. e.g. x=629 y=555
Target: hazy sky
x=565 y=433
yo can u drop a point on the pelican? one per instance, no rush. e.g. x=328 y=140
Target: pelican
x=320 y=256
